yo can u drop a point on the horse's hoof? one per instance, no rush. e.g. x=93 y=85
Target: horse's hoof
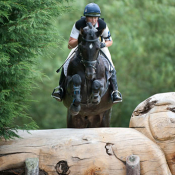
x=75 y=109
x=96 y=100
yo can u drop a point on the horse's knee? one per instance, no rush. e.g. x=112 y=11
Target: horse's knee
x=96 y=85
x=76 y=79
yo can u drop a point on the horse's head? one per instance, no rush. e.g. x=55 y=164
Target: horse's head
x=89 y=49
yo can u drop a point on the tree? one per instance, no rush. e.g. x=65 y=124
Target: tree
x=26 y=31
x=142 y=52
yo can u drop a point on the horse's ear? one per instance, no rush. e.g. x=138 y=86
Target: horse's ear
x=99 y=32
x=89 y=24
x=81 y=31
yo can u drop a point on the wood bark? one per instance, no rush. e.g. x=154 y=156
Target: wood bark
x=96 y=151
x=155 y=118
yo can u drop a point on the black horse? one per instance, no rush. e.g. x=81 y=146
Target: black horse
x=87 y=86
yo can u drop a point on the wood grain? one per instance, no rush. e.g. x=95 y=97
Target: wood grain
x=155 y=118
x=133 y=165
x=96 y=151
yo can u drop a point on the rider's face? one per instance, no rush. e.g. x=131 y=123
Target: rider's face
x=92 y=19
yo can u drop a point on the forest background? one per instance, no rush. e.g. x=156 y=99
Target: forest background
x=143 y=53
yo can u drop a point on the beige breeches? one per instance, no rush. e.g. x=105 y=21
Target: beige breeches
x=107 y=53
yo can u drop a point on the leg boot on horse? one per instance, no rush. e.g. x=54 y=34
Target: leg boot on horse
x=116 y=95
x=75 y=106
x=96 y=98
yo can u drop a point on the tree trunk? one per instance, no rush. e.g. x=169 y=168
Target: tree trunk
x=100 y=151
x=155 y=118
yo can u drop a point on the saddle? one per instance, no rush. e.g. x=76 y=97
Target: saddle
x=102 y=56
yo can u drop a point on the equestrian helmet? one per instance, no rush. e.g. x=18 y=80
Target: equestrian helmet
x=92 y=9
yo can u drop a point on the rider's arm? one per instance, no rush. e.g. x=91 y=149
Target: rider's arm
x=73 y=40
x=72 y=43
x=108 y=43
x=107 y=37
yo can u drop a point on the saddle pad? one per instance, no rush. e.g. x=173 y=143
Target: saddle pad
x=67 y=64
x=71 y=55
x=107 y=65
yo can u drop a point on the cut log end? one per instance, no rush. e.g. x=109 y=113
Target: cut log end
x=133 y=165
x=32 y=166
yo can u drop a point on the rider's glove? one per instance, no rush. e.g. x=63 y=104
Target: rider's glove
x=102 y=45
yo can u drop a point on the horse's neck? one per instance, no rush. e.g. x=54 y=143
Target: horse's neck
x=103 y=62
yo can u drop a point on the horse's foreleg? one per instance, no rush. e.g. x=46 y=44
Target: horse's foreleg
x=75 y=106
x=96 y=86
x=106 y=118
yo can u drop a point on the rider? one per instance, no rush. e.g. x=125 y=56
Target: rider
x=92 y=14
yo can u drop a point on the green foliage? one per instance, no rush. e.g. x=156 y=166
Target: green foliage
x=142 y=52
x=46 y=111
x=26 y=31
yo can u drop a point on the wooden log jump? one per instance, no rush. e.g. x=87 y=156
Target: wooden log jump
x=100 y=151
x=155 y=118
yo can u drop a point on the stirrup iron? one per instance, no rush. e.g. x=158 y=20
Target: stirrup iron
x=118 y=94
x=53 y=93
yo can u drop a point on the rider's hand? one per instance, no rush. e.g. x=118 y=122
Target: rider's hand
x=102 y=45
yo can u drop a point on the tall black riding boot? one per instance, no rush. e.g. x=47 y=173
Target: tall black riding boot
x=116 y=95
x=58 y=95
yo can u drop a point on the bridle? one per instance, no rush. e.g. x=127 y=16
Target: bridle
x=90 y=41
x=89 y=63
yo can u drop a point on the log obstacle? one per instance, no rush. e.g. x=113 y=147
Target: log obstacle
x=100 y=151
x=155 y=118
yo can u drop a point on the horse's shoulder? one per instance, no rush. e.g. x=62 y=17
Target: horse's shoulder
x=104 y=61
x=74 y=61
x=73 y=65
x=106 y=64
